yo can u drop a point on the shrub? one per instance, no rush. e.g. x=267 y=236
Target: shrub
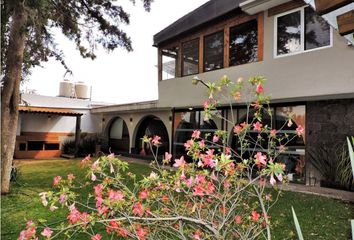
x=220 y=194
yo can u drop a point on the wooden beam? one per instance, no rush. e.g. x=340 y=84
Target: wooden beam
x=226 y=46
x=260 y=23
x=326 y=6
x=77 y=135
x=159 y=64
x=285 y=7
x=346 y=23
x=201 y=54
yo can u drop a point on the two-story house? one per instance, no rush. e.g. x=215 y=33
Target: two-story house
x=309 y=67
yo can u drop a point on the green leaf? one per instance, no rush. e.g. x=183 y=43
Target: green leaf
x=351 y=152
x=297 y=225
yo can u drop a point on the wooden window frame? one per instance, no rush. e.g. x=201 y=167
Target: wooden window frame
x=182 y=58
x=223 y=50
x=222 y=25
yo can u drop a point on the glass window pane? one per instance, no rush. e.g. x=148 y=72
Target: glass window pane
x=214 y=51
x=243 y=43
x=190 y=53
x=289 y=33
x=317 y=30
x=169 y=63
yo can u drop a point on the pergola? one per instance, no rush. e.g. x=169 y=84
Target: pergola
x=58 y=112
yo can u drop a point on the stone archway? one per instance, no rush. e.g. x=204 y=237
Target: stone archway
x=151 y=126
x=118 y=136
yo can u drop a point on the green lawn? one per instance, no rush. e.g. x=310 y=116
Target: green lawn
x=320 y=218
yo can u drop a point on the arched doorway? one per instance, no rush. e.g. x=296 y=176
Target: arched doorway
x=118 y=136
x=151 y=126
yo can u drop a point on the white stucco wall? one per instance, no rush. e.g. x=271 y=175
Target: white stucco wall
x=42 y=123
x=318 y=74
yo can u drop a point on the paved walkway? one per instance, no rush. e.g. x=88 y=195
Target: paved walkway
x=315 y=190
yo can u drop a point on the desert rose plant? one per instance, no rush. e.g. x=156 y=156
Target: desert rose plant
x=212 y=192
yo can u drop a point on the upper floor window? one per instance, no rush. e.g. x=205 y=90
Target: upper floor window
x=169 y=63
x=214 y=51
x=190 y=57
x=243 y=43
x=300 y=30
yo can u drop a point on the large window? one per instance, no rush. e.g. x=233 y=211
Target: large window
x=169 y=63
x=243 y=43
x=214 y=51
x=190 y=53
x=300 y=30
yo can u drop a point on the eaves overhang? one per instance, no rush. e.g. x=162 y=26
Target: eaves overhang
x=209 y=11
x=131 y=107
x=255 y=6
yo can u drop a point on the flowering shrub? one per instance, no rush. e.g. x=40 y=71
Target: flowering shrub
x=219 y=193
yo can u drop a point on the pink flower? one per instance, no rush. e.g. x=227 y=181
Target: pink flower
x=201 y=144
x=206 y=104
x=168 y=156
x=188 y=144
x=255 y=216
x=197 y=235
x=115 y=195
x=260 y=159
x=198 y=190
x=272 y=180
x=179 y=162
x=98 y=188
x=282 y=148
x=259 y=88
x=86 y=160
x=93 y=177
x=300 y=130
x=200 y=179
x=189 y=182
x=216 y=138
x=96 y=237
x=47 y=232
x=138 y=209
x=210 y=188
x=273 y=133
x=74 y=215
x=56 y=180
x=141 y=232
x=71 y=177
x=156 y=140
x=238 y=219
x=237 y=129
x=144 y=194
x=62 y=198
x=111 y=156
x=290 y=123
x=99 y=201
x=43 y=198
x=196 y=134
x=257 y=126
x=280 y=177
x=152 y=176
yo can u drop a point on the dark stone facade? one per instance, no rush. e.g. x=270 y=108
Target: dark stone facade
x=328 y=123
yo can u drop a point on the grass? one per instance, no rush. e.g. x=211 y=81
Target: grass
x=319 y=217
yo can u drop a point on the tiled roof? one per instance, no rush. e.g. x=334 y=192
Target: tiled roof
x=45 y=110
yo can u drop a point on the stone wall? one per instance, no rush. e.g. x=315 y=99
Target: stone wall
x=328 y=123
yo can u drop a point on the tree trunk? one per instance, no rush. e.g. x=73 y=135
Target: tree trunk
x=10 y=94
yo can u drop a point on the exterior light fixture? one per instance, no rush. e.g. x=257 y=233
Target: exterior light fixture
x=190 y=108
x=196 y=80
x=103 y=120
x=131 y=119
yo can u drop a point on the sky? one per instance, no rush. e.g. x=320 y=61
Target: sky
x=116 y=77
